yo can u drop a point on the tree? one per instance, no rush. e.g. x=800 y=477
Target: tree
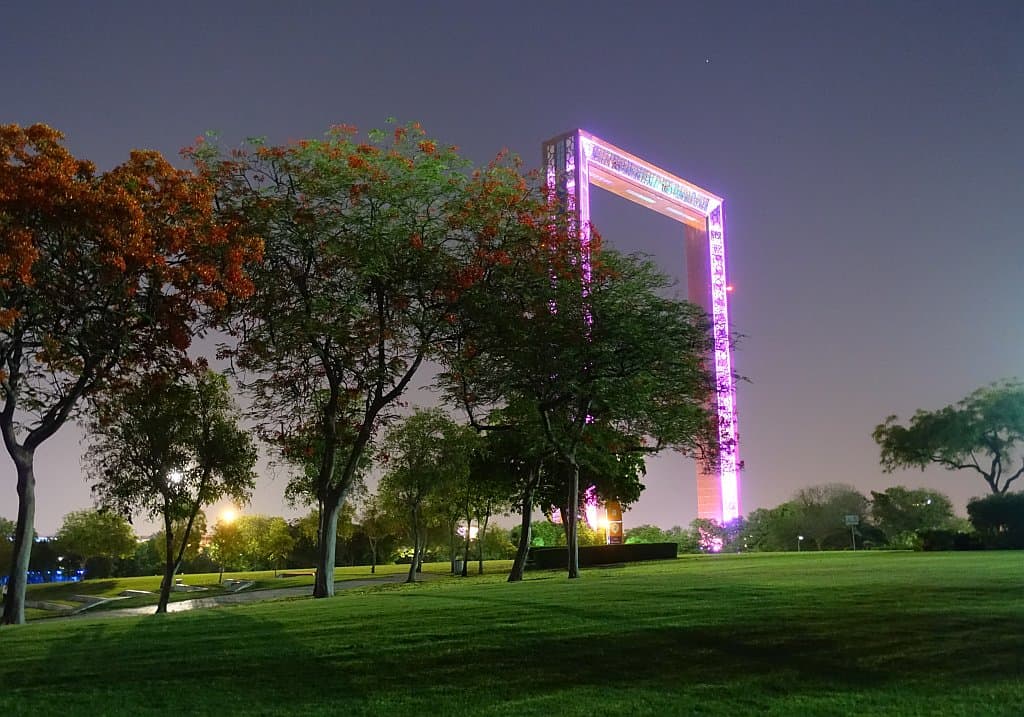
x=498 y=544
x=304 y=532
x=252 y=542
x=376 y=525
x=590 y=343
x=166 y=446
x=710 y=536
x=145 y=561
x=898 y=511
x=368 y=244
x=820 y=512
x=774 y=529
x=225 y=546
x=95 y=533
x=513 y=459
x=425 y=453
x=7 y=528
x=647 y=534
x=192 y=547
x=999 y=519
x=546 y=534
x=265 y=541
x=980 y=433
x=99 y=273
x=488 y=495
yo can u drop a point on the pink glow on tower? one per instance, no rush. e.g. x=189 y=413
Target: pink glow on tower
x=575 y=160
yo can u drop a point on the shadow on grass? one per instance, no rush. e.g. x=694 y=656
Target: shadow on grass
x=455 y=648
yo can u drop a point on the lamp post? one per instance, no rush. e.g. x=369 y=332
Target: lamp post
x=799 y=542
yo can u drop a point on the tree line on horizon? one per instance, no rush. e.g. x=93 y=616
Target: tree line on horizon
x=103 y=544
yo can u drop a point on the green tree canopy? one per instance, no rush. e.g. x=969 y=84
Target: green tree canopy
x=898 y=510
x=100 y=274
x=95 y=533
x=999 y=519
x=7 y=528
x=981 y=434
x=368 y=244
x=819 y=513
x=165 y=446
x=425 y=455
x=587 y=339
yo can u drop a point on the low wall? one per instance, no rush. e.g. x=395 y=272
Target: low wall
x=558 y=557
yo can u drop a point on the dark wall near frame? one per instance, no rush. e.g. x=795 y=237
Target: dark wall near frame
x=549 y=558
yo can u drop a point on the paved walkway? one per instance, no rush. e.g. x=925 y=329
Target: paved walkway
x=242 y=598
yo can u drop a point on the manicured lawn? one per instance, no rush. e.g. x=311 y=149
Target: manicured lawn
x=810 y=634
x=60 y=593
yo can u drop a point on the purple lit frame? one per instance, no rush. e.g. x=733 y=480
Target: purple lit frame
x=572 y=162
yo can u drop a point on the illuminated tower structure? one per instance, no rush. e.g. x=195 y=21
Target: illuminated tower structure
x=575 y=161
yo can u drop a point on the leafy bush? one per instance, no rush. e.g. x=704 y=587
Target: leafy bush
x=936 y=540
x=999 y=519
x=550 y=558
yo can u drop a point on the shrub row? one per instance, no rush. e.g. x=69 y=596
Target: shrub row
x=558 y=557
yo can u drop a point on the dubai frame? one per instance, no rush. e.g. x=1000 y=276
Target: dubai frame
x=575 y=160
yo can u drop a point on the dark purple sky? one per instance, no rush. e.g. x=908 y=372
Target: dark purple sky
x=870 y=153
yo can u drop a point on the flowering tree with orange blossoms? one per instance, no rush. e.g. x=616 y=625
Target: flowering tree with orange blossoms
x=369 y=245
x=100 y=273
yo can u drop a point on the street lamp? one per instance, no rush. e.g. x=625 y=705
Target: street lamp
x=799 y=542
x=228 y=516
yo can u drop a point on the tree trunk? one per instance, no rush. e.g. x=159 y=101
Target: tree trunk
x=465 y=545
x=480 y=543
x=523 y=549
x=411 y=578
x=415 y=532
x=326 y=539
x=170 y=565
x=423 y=549
x=572 y=518
x=453 y=549
x=14 y=602
x=373 y=556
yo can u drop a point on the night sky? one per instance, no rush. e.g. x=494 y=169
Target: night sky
x=870 y=154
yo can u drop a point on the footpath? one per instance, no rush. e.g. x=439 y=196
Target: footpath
x=241 y=598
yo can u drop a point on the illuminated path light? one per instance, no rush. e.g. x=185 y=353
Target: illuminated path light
x=574 y=161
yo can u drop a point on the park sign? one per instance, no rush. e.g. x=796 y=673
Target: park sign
x=852 y=520
x=613 y=511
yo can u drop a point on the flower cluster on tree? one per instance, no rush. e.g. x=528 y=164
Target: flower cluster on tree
x=101 y=273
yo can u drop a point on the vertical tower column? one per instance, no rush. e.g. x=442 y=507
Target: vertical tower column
x=698 y=291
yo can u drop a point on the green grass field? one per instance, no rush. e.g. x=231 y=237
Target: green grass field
x=811 y=634
x=60 y=593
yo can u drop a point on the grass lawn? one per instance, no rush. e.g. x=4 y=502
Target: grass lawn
x=60 y=593
x=809 y=634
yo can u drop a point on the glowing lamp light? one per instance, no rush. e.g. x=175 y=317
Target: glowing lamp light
x=473 y=531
